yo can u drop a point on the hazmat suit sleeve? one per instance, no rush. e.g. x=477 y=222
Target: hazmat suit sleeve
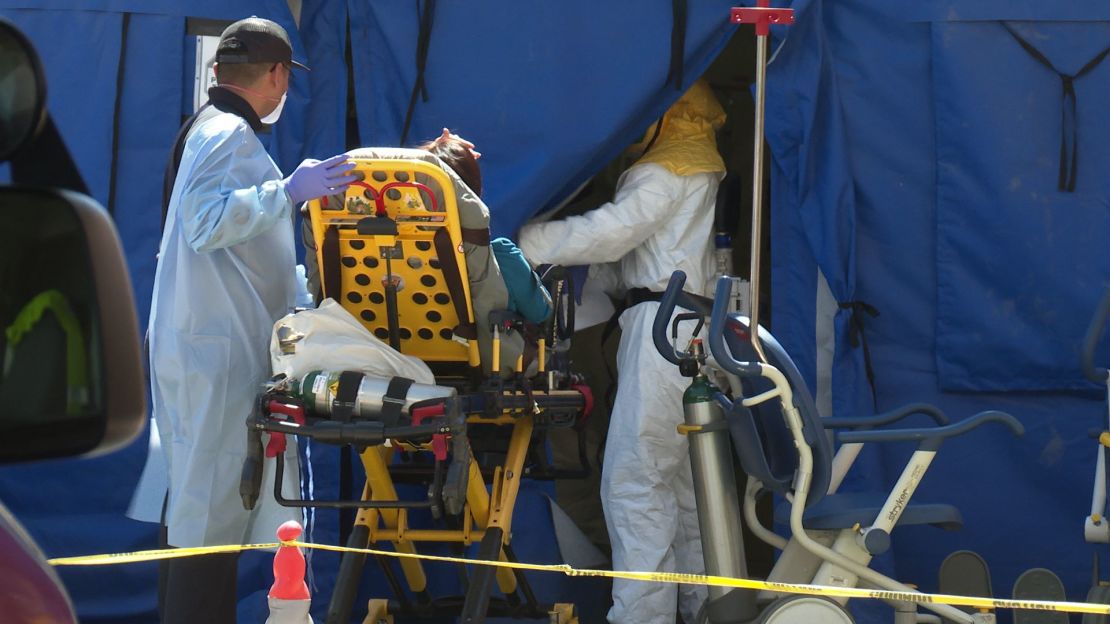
x=644 y=200
x=606 y=278
x=223 y=203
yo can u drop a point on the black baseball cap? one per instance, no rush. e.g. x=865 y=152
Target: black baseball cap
x=255 y=40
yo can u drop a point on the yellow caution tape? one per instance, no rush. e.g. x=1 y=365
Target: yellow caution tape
x=155 y=555
x=653 y=577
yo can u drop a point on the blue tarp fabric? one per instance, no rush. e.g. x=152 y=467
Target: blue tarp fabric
x=813 y=174
x=1006 y=234
x=550 y=93
x=940 y=111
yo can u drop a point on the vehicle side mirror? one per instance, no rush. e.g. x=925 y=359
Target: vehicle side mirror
x=22 y=91
x=71 y=379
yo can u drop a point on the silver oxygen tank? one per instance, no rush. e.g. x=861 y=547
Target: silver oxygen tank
x=715 y=493
x=318 y=390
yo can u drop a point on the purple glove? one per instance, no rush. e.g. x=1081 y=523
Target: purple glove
x=314 y=178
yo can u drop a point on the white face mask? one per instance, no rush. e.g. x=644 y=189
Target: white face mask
x=272 y=118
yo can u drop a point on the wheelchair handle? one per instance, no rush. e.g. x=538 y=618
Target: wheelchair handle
x=981 y=418
x=663 y=314
x=717 y=324
x=687 y=316
x=1090 y=340
x=885 y=418
x=931 y=438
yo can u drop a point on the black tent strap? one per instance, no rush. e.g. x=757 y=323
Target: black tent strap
x=1069 y=131
x=424 y=39
x=678 y=44
x=120 y=69
x=654 y=136
x=426 y=17
x=857 y=337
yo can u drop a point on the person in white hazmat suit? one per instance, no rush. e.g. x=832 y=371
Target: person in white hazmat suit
x=660 y=219
x=226 y=273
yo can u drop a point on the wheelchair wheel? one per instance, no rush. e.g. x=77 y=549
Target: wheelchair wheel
x=805 y=610
x=1099 y=594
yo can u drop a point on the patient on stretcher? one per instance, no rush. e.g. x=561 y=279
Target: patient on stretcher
x=500 y=278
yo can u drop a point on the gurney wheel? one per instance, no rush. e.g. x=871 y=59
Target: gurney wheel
x=378 y=612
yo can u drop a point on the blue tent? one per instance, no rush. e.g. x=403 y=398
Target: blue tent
x=941 y=162
x=938 y=162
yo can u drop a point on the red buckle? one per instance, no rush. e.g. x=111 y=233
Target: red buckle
x=291 y=412
x=439 y=446
x=276 y=445
x=420 y=414
x=587 y=397
x=294 y=412
x=439 y=440
x=762 y=16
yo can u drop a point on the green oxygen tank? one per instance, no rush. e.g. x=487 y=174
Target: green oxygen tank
x=313 y=385
x=701 y=390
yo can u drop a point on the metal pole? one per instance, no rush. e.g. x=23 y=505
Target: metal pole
x=757 y=190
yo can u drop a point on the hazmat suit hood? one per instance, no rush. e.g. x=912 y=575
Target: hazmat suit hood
x=687 y=142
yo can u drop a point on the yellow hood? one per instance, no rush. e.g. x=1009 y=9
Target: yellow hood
x=687 y=142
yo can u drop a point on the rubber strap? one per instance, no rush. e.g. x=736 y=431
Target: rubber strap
x=394 y=400
x=331 y=271
x=448 y=263
x=476 y=236
x=346 y=396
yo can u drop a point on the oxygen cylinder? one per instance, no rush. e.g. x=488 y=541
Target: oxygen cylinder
x=716 y=496
x=318 y=389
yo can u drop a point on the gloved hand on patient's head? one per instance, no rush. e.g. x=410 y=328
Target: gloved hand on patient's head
x=315 y=178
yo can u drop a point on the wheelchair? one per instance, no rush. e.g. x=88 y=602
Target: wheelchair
x=785 y=448
x=406 y=251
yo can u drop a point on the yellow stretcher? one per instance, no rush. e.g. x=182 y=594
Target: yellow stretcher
x=396 y=254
